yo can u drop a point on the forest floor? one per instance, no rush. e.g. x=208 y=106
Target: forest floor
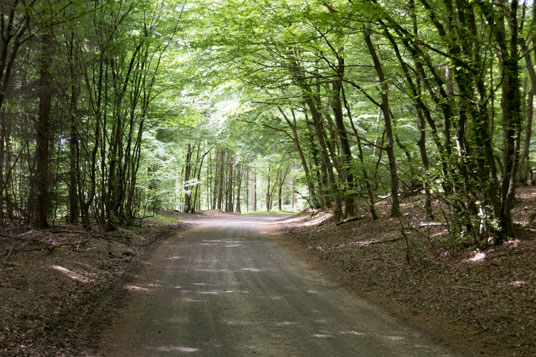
x=59 y=286
x=482 y=302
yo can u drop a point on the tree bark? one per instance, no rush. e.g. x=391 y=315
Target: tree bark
x=219 y=179
x=386 y=110
x=43 y=133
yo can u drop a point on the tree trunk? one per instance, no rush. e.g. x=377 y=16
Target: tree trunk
x=239 y=173
x=219 y=181
x=336 y=107
x=269 y=191
x=295 y=138
x=187 y=185
x=389 y=145
x=73 y=139
x=230 y=182
x=254 y=190
x=246 y=186
x=43 y=133
x=361 y=157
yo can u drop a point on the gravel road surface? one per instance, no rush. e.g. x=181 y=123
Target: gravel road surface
x=227 y=288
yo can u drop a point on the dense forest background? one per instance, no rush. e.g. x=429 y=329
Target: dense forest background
x=113 y=110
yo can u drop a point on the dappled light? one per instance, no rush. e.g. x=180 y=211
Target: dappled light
x=353 y=333
x=255 y=270
x=477 y=257
x=512 y=243
x=322 y=217
x=243 y=171
x=81 y=277
x=286 y=323
x=182 y=349
x=518 y=283
x=192 y=300
x=136 y=288
x=395 y=338
x=322 y=335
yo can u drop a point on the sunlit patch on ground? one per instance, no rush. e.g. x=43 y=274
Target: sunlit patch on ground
x=353 y=333
x=238 y=323
x=312 y=292
x=176 y=257
x=285 y=323
x=320 y=321
x=214 y=270
x=183 y=349
x=477 y=257
x=251 y=269
x=518 y=283
x=322 y=335
x=200 y=284
x=512 y=243
x=292 y=220
x=135 y=288
x=395 y=338
x=73 y=275
x=177 y=287
x=321 y=218
x=208 y=292
x=192 y=300
x=207 y=261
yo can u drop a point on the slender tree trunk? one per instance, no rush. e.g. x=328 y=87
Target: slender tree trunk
x=254 y=190
x=336 y=107
x=389 y=145
x=280 y=196
x=3 y=178
x=524 y=161
x=361 y=157
x=187 y=185
x=73 y=139
x=295 y=138
x=219 y=182
x=246 y=186
x=230 y=184
x=269 y=191
x=239 y=173
x=43 y=132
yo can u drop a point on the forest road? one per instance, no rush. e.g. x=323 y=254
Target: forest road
x=227 y=288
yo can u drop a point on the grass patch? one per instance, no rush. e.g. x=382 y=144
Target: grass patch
x=163 y=219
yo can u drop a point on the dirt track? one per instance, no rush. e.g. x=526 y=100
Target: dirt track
x=227 y=288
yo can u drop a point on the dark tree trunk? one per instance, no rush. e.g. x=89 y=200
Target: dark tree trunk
x=524 y=165
x=73 y=139
x=336 y=107
x=219 y=179
x=43 y=133
x=230 y=183
x=269 y=191
x=254 y=191
x=187 y=184
x=239 y=173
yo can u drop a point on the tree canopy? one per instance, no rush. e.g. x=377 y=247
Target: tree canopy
x=110 y=110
